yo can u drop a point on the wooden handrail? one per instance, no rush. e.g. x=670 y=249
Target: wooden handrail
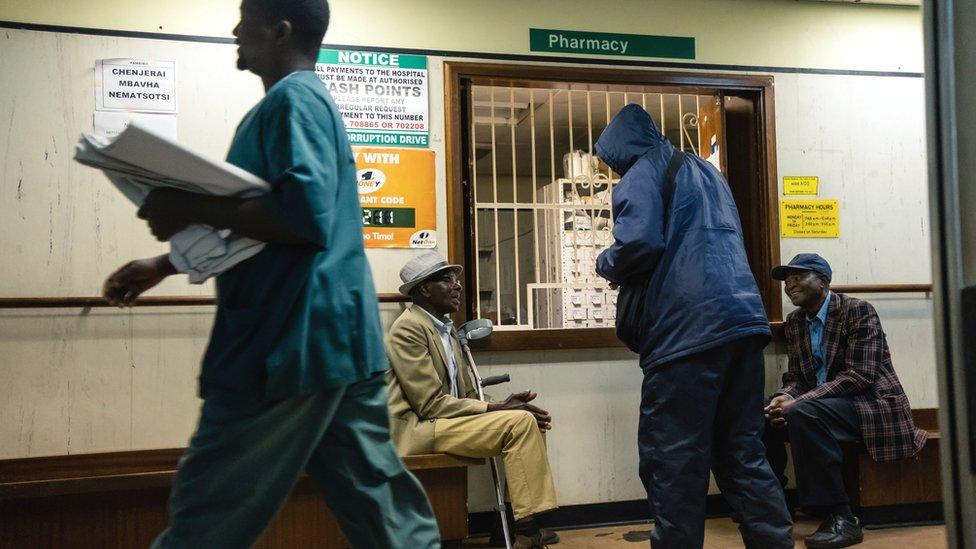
x=148 y=301
x=882 y=288
x=187 y=300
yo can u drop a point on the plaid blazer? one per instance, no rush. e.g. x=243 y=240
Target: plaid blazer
x=859 y=367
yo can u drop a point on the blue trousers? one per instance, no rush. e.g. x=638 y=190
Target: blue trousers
x=244 y=460
x=705 y=412
x=815 y=430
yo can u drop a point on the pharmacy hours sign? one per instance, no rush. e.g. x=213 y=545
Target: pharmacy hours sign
x=382 y=96
x=396 y=192
x=809 y=218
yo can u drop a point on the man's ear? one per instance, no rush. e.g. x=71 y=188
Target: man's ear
x=283 y=32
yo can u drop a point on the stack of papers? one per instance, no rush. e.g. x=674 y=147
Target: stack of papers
x=139 y=160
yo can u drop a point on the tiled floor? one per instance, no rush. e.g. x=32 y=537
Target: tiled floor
x=722 y=533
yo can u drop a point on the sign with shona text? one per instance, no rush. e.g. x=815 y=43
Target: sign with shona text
x=135 y=85
x=396 y=192
x=382 y=96
x=809 y=218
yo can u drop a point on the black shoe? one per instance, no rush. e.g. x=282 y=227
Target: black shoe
x=549 y=537
x=528 y=542
x=836 y=531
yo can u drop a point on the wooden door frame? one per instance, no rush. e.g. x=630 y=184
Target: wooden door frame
x=681 y=82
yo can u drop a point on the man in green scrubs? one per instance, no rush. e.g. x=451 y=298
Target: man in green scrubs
x=292 y=379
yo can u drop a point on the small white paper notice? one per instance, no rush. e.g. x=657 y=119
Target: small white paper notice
x=135 y=85
x=111 y=123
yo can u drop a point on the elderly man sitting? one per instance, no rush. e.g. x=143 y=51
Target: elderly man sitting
x=840 y=387
x=434 y=405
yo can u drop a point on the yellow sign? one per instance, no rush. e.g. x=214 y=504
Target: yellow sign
x=396 y=192
x=809 y=218
x=800 y=184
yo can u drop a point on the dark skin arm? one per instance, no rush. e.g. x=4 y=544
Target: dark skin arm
x=123 y=286
x=169 y=211
x=520 y=401
x=776 y=410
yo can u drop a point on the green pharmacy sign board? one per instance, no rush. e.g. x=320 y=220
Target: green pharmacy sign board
x=607 y=43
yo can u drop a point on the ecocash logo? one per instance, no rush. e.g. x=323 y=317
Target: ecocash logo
x=370 y=180
x=423 y=239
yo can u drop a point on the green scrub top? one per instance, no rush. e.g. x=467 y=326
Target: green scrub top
x=294 y=320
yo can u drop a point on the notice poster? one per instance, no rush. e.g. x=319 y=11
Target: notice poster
x=801 y=185
x=135 y=85
x=111 y=123
x=396 y=192
x=382 y=96
x=809 y=218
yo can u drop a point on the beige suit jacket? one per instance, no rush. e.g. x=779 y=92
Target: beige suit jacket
x=419 y=385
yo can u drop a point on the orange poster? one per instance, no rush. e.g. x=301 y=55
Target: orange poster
x=396 y=191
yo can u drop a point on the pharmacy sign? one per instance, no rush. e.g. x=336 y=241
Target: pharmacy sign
x=608 y=43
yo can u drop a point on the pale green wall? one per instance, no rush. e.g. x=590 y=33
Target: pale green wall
x=781 y=33
x=76 y=382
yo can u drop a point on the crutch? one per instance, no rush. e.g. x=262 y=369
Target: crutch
x=470 y=331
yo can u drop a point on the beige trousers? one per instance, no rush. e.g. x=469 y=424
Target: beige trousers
x=513 y=434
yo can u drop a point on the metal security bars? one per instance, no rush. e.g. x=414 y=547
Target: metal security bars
x=541 y=197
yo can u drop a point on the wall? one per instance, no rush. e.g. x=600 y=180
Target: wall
x=780 y=33
x=865 y=137
x=86 y=381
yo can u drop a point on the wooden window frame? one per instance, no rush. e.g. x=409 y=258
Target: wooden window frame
x=759 y=88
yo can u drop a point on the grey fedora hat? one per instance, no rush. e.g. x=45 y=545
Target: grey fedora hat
x=421 y=268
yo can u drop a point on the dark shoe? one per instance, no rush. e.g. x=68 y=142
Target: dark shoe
x=528 y=542
x=836 y=531
x=549 y=537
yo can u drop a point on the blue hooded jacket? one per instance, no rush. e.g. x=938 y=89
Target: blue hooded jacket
x=701 y=291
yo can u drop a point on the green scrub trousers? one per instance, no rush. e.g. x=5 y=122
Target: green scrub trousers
x=244 y=460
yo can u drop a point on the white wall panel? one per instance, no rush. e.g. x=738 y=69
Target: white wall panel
x=865 y=138
x=74 y=381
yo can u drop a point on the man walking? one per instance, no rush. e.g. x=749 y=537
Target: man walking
x=292 y=378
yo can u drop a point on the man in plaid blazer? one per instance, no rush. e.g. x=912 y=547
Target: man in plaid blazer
x=840 y=387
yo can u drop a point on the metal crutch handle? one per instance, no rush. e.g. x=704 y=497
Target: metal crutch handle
x=495 y=380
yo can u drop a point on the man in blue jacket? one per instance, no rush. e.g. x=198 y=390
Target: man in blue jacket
x=703 y=330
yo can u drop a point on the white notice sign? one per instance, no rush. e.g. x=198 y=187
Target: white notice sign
x=382 y=96
x=135 y=85
x=110 y=124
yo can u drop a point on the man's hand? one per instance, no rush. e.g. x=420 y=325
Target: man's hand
x=123 y=286
x=166 y=212
x=776 y=410
x=520 y=401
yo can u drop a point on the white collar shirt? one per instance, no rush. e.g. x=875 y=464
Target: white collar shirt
x=443 y=326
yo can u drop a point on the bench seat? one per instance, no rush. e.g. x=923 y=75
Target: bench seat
x=118 y=499
x=906 y=490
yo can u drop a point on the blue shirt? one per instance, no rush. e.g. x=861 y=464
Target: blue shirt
x=295 y=320
x=816 y=326
x=444 y=327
